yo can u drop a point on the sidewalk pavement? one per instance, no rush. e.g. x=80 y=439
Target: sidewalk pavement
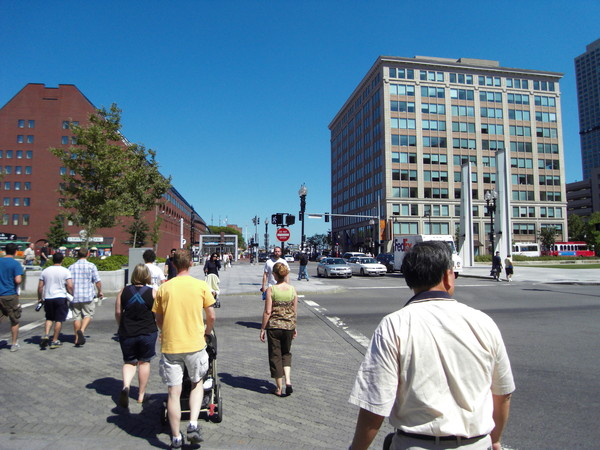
x=66 y=398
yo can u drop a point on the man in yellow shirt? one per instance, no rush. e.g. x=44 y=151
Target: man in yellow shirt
x=178 y=307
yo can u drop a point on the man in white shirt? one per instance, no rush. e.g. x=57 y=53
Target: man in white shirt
x=268 y=279
x=157 y=275
x=55 y=282
x=29 y=255
x=437 y=368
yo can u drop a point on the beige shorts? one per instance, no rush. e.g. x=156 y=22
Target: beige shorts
x=172 y=364
x=83 y=309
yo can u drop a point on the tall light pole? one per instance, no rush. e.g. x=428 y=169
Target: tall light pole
x=266 y=235
x=490 y=199
x=428 y=215
x=302 y=193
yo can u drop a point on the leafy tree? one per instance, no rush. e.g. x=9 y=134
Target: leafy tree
x=318 y=242
x=547 y=236
x=106 y=177
x=138 y=231
x=593 y=232
x=155 y=234
x=57 y=235
x=577 y=228
x=228 y=230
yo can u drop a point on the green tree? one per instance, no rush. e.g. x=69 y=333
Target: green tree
x=155 y=234
x=547 y=236
x=228 y=230
x=592 y=229
x=577 y=228
x=138 y=232
x=107 y=177
x=57 y=235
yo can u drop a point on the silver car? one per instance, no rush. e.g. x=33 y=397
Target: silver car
x=333 y=267
x=366 y=266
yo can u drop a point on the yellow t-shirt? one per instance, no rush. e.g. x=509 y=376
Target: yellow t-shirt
x=181 y=301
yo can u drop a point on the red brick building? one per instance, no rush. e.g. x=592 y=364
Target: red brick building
x=38 y=118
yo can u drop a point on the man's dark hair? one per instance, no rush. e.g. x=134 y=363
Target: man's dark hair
x=57 y=258
x=425 y=263
x=11 y=249
x=82 y=252
x=149 y=256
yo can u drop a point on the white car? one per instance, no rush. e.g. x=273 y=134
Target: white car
x=289 y=258
x=366 y=266
x=333 y=267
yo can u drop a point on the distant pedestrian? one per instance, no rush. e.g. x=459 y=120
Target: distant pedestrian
x=279 y=326
x=11 y=275
x=137 y=331
x=302 y=273
x=170 y=270
x=496 y=266
x=29 y=255
x=44 y=254
x=178 y=307
x=212 y=265
x=156 y=274
x=55 y=283
x=437 y=368
x=86 y=281
x=225 y=257
x=508 y=268
x=268 y=280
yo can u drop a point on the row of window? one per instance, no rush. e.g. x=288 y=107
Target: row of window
x=7 y=170
x=17 y=219
x=31 y=123
x=17 y=185
x=17 y=201
x=8 y=154
x=430 y=75
x=412 y=209
x=22 y=139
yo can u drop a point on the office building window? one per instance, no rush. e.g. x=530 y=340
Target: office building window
x=491 y=113
x=25 y=219
x=517 y=114
x=490 y=96
x=27 y=185
x=29 y=139
x=9 y=154
x=20 y=139
x=7 y=185
x=433 y=108
x=16 y=201
x=64 y=140
x=27 y=170
x=7 y=170
x=545 y=101
x=407 y=74
x=18 y=170
x=406 y=228
x=462 y=94
x=6 y=201
x=402 y=89
x=15 y=219
x=17 y=185
x=29 y=154
x=468 y=111
x=21 y=123
x=31 y=124
x=5 y=219
x=434 y=92
x=402 y=106
x=522 y=147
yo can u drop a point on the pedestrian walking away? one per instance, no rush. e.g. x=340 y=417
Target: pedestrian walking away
x=137 y=331
x=496 y=266
x=508 y=268
x=268 y=280
x=29 y=255
x=156 y=274
x=11 y=276
x=44 y=254
x=436 y=367
x=178 y=307
x=56 y=282
x=302 y=273
x=170 y=270
x=86 y=285
x=279 y=326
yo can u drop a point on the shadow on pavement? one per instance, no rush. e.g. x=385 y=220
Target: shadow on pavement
x=255 y=325
x=250 y=384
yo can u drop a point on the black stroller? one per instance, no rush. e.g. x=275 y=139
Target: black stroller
x=212 y=406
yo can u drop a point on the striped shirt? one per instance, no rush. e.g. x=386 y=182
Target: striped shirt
x=85 y=276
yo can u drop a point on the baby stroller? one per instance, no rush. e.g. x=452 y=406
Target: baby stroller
x=213 y=284
x=212 y=407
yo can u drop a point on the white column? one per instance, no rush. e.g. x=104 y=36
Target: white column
x=466 y=217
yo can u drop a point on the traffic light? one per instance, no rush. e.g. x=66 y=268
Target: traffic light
x=277 y=219
x=326 y=217
x=290 y=219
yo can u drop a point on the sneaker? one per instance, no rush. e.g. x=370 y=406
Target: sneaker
x=44 y=342
x=177 y=443
x=80 y=338
x=55 y=344
x=193 y=434
x=15 y=347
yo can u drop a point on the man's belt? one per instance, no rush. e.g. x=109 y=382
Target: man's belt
x=427 y=437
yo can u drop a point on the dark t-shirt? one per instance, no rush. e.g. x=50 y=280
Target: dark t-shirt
x=137 y=317
x=303 y=259
x=211 y=266
x=172 y=270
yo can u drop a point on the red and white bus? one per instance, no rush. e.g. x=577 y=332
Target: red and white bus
x=569 y=249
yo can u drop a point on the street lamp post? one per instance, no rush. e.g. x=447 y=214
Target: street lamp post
x=428 y=215
x=302 y=193
x=490 y=199
x=266 y=235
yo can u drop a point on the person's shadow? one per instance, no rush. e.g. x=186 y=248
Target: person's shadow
x=250 y=384
x=144 y=425
x=255 y=325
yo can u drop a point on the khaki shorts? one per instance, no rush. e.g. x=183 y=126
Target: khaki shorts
x=172 y=364
x=83 y=309
x=11 y=308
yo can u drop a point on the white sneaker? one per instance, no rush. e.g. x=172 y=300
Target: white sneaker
x=15 y=347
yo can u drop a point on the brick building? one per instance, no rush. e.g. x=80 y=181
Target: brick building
x=38 y=118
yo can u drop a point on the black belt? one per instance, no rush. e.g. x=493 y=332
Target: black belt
x=427 y=437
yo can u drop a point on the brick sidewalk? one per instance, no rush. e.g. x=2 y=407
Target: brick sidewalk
x=65 y=398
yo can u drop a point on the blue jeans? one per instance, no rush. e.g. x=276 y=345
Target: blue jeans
x=302 y=273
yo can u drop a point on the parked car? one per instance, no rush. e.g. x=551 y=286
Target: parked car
x=387 y=259
x=366 y=266
x=262 y=257
x=349 y=255
x=333 y=267
x=289 y=258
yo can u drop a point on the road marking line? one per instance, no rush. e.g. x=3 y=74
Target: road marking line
x=32 y=325
x=336 y=321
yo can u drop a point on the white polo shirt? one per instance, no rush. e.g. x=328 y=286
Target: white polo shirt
x=269 y=270
x=432 y=367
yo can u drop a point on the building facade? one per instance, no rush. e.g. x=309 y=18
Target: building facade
x=398 y=143
x=583 y=197
x=587 y=71
x=38 y=118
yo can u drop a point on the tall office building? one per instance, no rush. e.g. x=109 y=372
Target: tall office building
x=587 y=70
x=38 y=118
x=398 y=142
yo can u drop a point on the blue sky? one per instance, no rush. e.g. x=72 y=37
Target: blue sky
x=236 y=96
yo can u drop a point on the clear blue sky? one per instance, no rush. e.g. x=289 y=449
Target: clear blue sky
x=236 y=96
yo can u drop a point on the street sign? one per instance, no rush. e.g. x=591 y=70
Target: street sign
x=283 y=234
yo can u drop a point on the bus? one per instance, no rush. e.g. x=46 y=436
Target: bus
x=569 y=249
x=530 y=249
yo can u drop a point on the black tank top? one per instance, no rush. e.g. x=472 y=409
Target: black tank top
x=137 y=317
